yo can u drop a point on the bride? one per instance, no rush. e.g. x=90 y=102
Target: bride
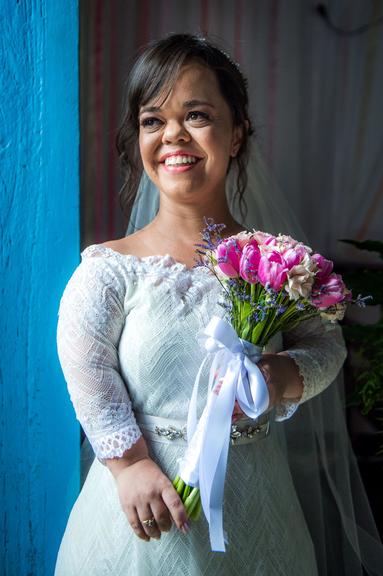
x=127 y=343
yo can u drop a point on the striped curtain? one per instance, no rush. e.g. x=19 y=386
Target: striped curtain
x=316 y=94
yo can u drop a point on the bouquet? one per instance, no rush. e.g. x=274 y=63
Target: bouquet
x=270 y=284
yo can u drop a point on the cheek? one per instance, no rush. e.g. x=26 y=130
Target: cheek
x=219 y=148
x=146 y=147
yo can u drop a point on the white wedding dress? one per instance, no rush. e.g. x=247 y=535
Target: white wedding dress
x=127 y=344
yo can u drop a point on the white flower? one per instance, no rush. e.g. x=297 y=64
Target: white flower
x=300 y=280
x=335 y=312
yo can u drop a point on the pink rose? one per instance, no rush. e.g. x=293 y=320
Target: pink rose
x=272 y=271
x=228 y=254
x=330 y=292
x=248 y=266
x=324 y=266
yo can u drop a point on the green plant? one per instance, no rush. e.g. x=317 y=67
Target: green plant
x=367 y=340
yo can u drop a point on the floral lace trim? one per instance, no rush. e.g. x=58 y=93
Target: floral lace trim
x=305 y=367
x=112 y=430
x=115 y=444
x=161 y=261
x=285 y=410
x=288 y=407
x=109 y=419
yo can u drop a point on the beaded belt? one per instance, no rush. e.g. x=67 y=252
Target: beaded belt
x=167 y=430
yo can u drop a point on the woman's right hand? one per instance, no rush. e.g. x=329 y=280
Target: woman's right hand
x=145 y=492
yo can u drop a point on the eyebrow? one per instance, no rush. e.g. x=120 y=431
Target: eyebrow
x=187 y=105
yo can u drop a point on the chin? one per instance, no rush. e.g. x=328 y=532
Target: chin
x=180 y=189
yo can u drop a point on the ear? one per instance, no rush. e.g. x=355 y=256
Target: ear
x=238 y=133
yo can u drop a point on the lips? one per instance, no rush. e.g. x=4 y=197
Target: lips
x=179 y=158
x=179 y=161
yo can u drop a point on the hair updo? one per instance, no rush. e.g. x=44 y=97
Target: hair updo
x=154 y=72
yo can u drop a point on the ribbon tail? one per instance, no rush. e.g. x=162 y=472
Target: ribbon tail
x=213 y=461
x=192 y=413
x=216 y=532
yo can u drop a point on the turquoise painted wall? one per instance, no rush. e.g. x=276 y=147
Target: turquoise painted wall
x=39 y=215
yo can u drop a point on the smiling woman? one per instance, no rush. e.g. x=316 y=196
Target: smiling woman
x=127 y=340
x=194 y=120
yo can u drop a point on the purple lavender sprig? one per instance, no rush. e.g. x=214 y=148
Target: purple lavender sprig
x=211 y=237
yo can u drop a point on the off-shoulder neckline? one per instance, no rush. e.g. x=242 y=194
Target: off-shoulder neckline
x=165 y=259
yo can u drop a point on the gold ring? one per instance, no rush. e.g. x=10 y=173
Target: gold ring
x=149 y=523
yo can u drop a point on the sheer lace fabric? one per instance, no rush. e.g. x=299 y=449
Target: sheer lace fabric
x=127 y=343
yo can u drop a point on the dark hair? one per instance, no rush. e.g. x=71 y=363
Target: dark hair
x=156 y=70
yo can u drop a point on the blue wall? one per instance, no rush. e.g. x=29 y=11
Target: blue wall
x=39 y=215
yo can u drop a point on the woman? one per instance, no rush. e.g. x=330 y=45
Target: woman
x=127 y=343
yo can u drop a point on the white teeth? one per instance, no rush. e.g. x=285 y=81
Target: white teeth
x=177 y=160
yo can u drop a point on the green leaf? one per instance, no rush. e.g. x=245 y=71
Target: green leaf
x=370 y=245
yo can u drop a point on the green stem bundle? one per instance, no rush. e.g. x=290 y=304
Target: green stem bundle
x=190 y=497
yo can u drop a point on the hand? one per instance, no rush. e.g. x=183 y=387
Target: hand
x=282 y=377
x=145 y=492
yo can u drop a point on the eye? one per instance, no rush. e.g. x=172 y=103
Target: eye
x=198 y=116
x=151 y=123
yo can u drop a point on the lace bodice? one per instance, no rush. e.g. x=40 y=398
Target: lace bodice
x=127 y=343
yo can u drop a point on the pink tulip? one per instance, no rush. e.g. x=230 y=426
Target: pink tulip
x=330 y=292
x=324 y=266
x=244 y=238
x=263 y=237
x=294 y=256
x=286 y=240
x=248 y=265
x=228 y=254
x=272 y=272
x=270 y=241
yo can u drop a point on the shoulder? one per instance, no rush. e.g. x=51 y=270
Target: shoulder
x=102 y=273
x=132 y=245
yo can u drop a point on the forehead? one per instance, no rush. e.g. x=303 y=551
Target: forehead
x=194 y=82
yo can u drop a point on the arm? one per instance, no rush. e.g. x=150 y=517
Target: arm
x=91 y=319
x=314 y=353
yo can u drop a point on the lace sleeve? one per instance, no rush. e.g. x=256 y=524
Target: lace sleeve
x=91 y=318
x=318 y=348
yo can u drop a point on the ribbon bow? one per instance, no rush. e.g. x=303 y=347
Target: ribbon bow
x=205 y=461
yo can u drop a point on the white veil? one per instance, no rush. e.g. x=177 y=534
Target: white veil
x=315 y=439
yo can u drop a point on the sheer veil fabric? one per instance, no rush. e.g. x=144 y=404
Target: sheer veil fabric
x=315 y=439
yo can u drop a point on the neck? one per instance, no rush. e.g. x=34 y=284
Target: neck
x=184 y=224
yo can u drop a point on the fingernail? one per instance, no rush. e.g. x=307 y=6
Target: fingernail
x=185 y=527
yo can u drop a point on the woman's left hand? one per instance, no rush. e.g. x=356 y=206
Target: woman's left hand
x=282 y=378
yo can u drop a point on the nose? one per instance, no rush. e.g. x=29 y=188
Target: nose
x=175 y=132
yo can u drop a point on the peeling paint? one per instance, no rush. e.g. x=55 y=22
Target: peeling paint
x=39 y=156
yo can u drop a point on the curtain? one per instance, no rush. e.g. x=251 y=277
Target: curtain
x=315 y=92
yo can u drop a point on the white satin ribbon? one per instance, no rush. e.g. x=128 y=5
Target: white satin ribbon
x=205 y=461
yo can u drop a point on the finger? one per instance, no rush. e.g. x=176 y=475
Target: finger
x=161 y=515
x=152 y=530
x=175 y=507
x=136 y=525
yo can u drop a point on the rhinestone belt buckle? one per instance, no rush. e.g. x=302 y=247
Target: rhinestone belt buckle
x=249 y=431
x=171 y=432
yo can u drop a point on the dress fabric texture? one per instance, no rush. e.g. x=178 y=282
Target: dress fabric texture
x=127 y=341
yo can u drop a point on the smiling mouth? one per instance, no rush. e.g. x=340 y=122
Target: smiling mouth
x=178 y=163
x=181 y=160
